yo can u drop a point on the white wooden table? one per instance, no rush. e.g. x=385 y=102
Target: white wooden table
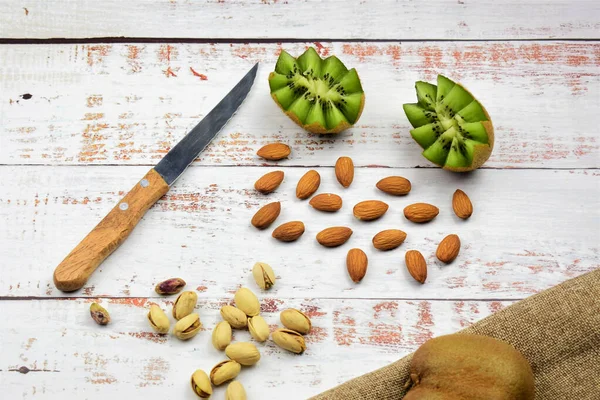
x=94 y=93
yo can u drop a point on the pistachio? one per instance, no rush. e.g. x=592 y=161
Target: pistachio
x=224 y=371
x=263 y=275
x=295 y=320
x=243 y=352
x=99 y=314
x=170 y=286
x=185 y=304
x=201 y=384
x=221 y=336
x=236 y=317
x=187 y=327
x=235 y=391
x=258 y=328
x=246 y=301
x=289 y=340
x=158 y=319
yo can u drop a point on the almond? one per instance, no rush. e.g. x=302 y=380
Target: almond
x=274 y=151
x=421 y=212
x=335 y=236
x=448 y=249
x=416 y=265
x=344 y=171
x=463 y=208
x=269 y=182
x=289 y=231
x=389 y=239
x=394 y=185
x=357 y=262
x=266 y=215
x=308 y=184
x=370 y=209
x=326 y=202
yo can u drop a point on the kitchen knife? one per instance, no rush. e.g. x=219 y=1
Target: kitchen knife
x=73 y=272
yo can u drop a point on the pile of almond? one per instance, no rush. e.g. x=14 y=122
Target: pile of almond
x=369 y=210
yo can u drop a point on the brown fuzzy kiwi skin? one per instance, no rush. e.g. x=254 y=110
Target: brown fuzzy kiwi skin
x=469 y=367
x=315 y=127
x=482 y=152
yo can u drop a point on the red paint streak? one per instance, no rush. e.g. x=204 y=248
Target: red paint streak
x=246 y=51
x=312 y=311
x=344 y=337
x=456 y=282
x=577 y=61
x=496 y=263
x=94 y=100
x=169 y=72
x=495 y=306
x=135 y=302
x=270 y=305
x=360 y=51
x=316 y=335
x=202 y=288
x=536 y=268
x=432 y=60
x=395 y=52
x=154 y=372
x=322 y=50
x=165 y=52
x=151 y=336
x=387 y=306
x=384 y=334
x=201 y=76
x=101 y=378
x=96 y=53
x=133 y=54
x=88 y=290
x=493 y=286
x=92 y=116
x=93 y=148
x=423 y=325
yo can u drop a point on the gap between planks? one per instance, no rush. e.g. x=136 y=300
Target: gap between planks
x=111 y=39
x=75 y=298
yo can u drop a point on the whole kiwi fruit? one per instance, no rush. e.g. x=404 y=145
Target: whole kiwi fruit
x=469 y=367
x=452 y=127
x=320 y=95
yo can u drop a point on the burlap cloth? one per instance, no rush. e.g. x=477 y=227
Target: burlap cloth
x=557 y=330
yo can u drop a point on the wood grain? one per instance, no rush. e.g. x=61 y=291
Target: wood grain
x=530 y=230
x=73 y=272
x=319 y=19
x=130 y=103
x=57 y=351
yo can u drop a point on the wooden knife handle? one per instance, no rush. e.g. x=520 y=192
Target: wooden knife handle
x=73 y=272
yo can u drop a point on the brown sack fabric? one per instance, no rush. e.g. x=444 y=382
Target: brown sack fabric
x=557 y=330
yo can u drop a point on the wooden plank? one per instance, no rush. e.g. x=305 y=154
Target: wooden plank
x=69 y=356
x=531 y=229
x=129 y=104
x=319 y=19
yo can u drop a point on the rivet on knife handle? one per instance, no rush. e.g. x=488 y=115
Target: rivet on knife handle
x=73 y=272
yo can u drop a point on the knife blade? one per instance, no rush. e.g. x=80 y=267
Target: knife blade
x=73 y=272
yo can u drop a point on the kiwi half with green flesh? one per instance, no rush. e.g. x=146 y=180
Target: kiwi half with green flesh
x=320 y=95
x=452 y=127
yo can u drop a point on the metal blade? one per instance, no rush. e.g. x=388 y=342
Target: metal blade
x=186 y=151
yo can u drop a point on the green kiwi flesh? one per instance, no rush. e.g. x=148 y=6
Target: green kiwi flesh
x=321 y=95
x=451 y=126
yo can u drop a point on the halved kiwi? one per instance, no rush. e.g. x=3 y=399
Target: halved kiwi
x=452 y=127
x=322 y=96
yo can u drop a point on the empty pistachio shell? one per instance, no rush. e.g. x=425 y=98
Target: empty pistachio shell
x=185 y=304
x=235 y=391
x=201 y=384
x=221 y=336
x=224 y=371
x=243 y=352
x=246 y=301
x=187 y=327
x=289 y=340
x=263 y=275
x=99 y=314
x=295 y=320
x=170 y=286
x=258 y=328
x=236 y=317
x=158 y=319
